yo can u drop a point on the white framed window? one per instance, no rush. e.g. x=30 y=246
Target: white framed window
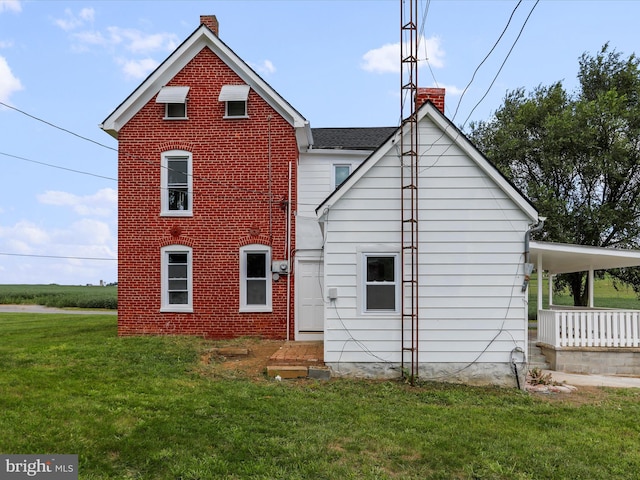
x=176 y=187
x=340 y=174
x=255 y=278
x=235 y=99
x=175 y=102
x=379 y=280
x=177 y=279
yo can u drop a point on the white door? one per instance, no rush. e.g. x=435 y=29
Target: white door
x=309 y=301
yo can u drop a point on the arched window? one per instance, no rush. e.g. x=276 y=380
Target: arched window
x=176 y=187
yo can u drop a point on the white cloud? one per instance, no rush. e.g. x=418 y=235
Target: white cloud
x=117 y=40
x=451 y=89
x=87 y=14
x=386 y=59
x=22 y=235
x=30 y=245
x=139 y=42
x=10 y=6
x=103 y=203
x=72 y=21
x=8 y=82
x=266 y=67
x=137 y=69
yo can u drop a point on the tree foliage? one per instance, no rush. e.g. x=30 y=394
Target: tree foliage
x=576 y=155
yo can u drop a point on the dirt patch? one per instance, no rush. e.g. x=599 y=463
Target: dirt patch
x=223 y=359
x=584 y=395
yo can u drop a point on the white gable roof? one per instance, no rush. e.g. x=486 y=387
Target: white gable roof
x=203 y=37
x=428 y=110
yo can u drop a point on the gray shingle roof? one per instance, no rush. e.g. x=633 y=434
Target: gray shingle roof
x=368 y=138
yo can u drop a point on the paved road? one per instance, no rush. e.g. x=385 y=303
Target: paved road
x=42 y=309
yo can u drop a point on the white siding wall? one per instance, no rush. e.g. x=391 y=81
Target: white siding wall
x=471 y=255
x=315 y=183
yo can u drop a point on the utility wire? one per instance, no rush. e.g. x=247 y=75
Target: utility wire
x=56 y=256
x=487 y=56
x=137 y=158
x=57 y=166
x=503 y=63
x=492 y=82
x=58 y=127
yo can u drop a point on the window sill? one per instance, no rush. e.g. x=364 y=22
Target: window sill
x=380 y=313
x=177 y=309
x=175 y=118
x=176 y=213
x=257 y=309
x=235 y=117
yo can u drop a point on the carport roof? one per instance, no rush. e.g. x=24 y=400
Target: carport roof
x=564 y=258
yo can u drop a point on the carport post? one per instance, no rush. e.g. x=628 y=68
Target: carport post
x=590 y=280
x=539 y=282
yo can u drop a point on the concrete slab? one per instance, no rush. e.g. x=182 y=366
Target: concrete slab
x=594 y=380
x=320 y=373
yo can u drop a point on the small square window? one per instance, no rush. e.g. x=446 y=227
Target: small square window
x=237 y=109
x=175 y=101
x=175 y=110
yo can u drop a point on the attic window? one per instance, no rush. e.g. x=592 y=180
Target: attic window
x=175 y=100
x=235 y=99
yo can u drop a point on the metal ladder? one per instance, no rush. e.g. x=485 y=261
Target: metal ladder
x=409 y=187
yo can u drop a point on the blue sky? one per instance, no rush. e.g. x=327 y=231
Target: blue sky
x=71 y=63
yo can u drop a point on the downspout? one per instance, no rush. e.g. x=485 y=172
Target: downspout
x=528 y=267
x=288 y=256
x=270 y=179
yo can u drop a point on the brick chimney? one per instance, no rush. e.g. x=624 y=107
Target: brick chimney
x=436 y=95
x=210 y=21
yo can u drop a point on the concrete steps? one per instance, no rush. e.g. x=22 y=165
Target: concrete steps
x=299 y=360
x=535 y=357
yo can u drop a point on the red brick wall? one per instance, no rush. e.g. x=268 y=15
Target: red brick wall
x=436 y=95
x=230 y=208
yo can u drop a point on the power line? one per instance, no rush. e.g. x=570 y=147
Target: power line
x=504 y=62
x=492 y=82
x=485 y=59
x=57 y=166
x=56 y=256
x=58 y=127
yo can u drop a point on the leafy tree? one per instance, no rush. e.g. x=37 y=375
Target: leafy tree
x=576 y=155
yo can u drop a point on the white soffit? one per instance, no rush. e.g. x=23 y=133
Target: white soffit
x=234 y=93
x=564 y=258
x=172 y=95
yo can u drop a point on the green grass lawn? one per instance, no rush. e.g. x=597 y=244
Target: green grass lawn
x=147 y=408
x=605 y=294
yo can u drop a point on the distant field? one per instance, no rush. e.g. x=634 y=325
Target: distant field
x=60 y=296
x=605 y=295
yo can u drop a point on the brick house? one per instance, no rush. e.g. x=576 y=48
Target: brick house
x=236 y=218
x=207 y=162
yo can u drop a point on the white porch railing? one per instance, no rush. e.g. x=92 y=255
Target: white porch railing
x=589 y=328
